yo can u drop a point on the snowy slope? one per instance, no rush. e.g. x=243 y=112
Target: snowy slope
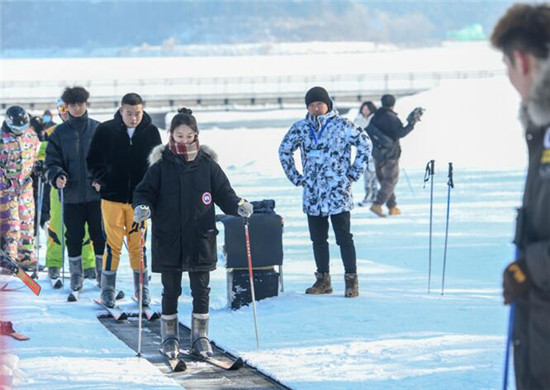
x=395 y=335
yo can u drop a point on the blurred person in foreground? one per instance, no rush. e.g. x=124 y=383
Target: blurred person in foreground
x=523 y=35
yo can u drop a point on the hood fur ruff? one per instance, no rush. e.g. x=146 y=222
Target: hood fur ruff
x=537 y=107
x=156 y=154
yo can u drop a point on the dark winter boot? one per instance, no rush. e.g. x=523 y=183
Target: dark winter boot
x=98 y=268
x=170 y=333
x=89 y=273
x=75 y=268
x=322 y=285
x=146 y=297
x=108 y=285
x=53 y=272
x=200 y=344
x=352 y=285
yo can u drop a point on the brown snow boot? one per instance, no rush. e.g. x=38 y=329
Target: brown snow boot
x=377 y=209
x=352 y=285
x=322 y=285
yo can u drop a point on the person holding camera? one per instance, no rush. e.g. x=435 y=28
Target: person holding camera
x=387 y=166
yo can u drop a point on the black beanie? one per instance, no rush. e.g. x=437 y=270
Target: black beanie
x=318 y=94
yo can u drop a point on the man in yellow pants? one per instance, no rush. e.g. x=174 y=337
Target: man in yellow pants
x=118 y=160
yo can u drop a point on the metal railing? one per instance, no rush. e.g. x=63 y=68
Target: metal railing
x=226 y=89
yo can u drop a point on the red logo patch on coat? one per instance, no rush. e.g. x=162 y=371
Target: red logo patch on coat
x=206 y=198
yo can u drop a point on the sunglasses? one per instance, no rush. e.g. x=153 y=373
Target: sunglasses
x=62 y=109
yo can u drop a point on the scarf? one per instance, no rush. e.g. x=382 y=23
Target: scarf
x=187 y=151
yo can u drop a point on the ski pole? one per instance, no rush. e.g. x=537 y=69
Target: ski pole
x=511 y=317
x=37 y=226
x=62 y=230
x=251 y=276
x=140 y=300
x=430 y=168
x=408 y=180
x=450 y=185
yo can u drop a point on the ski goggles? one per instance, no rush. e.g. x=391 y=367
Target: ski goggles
x=19 y=129
x=62 y=109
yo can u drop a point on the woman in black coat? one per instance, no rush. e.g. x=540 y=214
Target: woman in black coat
x=178 y=192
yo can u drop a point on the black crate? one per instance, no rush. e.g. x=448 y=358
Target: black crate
x=266 y=285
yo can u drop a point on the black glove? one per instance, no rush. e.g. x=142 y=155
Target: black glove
x=39 y=168
x=515 y=281
x=415 y=115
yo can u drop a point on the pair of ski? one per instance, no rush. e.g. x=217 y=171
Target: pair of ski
x=119 y=314
x=177 y=364
x=74 y=295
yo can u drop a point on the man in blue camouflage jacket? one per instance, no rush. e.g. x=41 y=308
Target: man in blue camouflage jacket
x=325 y=140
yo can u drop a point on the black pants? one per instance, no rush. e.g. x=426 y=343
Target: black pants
x=171 y=283
x=531 y=342
x=318 y=232
x=76 y=217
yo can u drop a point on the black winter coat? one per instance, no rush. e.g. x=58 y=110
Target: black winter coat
x=181 y=196
x=387 y=121
x=119 y=163
x=66 y=155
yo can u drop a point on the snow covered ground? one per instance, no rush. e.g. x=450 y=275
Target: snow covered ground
x=394 y=335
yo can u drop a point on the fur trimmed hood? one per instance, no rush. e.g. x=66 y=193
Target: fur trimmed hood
x=537 y=107
x=156 y=154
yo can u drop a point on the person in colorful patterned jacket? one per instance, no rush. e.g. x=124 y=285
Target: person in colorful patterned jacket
x=325 y=140
x=18 y=152
x=53 y=245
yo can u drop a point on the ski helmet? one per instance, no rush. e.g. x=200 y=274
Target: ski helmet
x=62 y=109
x=17 y=119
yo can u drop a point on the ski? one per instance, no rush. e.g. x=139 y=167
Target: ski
x=6 y=328
x=116 y=312
x=149 y=312
x=229 y=365
x=56 y=283
x=73 y=296
x=176 y=363
x=11 y=265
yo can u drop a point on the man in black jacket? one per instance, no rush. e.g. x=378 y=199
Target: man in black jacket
x=523 y=35
x=118 y=161
x=66 y=169
x=387 y=168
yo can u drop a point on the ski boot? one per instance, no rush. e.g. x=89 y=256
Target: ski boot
x=170 y=334
x=200 y=345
